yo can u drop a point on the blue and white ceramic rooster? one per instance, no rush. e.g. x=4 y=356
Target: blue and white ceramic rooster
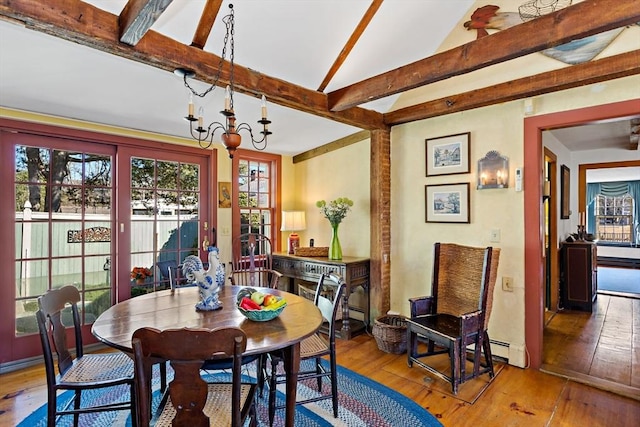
x=209 y=282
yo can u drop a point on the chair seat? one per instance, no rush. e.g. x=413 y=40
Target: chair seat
x=94 y=369
x=217 y=406
x=224 y=364
x=314 y=346
x=445 y=325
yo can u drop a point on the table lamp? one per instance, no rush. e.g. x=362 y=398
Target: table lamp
x=293 y=221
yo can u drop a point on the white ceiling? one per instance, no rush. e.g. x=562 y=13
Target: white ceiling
x=296 y=41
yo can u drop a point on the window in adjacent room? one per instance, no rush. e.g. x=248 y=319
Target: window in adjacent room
x=614 y=218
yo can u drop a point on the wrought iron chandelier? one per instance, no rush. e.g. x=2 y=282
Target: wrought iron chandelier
x=230 y=136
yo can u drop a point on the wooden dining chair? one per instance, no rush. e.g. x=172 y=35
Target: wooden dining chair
x=191 y=401
x=57 y=308
x=251 y=263
x=456 y=315
x=313 y=348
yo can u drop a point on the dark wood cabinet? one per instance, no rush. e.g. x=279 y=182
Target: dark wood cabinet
x=578 y=275
x=354 y=271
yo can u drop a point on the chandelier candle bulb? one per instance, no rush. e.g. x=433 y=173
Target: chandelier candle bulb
x=227 y=99
x=191 y=106
x=264 y=107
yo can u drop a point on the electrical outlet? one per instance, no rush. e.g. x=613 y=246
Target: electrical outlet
x=507 y=284
x=495 y=235
x=225 y=231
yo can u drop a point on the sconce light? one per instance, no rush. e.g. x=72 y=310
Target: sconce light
x=493 y=171
x=293 y=221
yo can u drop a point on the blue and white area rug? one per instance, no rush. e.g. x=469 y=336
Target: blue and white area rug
x=363 y=403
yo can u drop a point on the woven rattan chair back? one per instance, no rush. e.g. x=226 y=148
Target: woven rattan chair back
x=459 y=285
x=191 y=401
x=252 y=262
x=58 y=309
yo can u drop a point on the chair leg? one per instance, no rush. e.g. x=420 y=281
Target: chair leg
x=487 y=353
x=454 y=354
x=318 y=372
x=262 y=363
x=334 y=386
x=412 y=339
x=76 y=405
x=272 y=390
x=163 y=376
x=52 y=404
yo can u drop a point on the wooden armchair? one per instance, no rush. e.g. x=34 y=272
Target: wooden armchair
x=252 y=264
x=457 y=314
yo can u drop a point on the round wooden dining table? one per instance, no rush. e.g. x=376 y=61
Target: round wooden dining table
x=176 y=309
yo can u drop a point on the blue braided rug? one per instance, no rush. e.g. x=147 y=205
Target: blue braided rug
x=363 y=403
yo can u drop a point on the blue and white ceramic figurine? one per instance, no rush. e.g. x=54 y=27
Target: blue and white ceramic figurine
x=209 y=281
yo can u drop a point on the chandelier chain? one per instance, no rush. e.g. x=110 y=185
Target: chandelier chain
x=229 y=23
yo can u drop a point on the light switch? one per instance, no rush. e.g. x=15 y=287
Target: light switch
x=495 y=235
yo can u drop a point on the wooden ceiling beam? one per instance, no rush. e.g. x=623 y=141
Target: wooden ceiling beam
x=613 y=67
x=208 y=17
x=364 y=23
x=83 y=23
x=138 y=16
x=571 y=23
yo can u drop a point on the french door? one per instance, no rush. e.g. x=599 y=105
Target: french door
x=84 y=213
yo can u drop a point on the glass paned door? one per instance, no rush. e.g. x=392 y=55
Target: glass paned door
x=166 y=199
x=63 y=221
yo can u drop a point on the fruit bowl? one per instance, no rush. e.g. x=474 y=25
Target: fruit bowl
x=262 y=315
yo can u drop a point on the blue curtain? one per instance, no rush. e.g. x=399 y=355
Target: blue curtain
x=593 y=189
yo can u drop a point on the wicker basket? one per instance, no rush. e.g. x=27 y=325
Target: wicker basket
x=312 y=251
x=390 y=333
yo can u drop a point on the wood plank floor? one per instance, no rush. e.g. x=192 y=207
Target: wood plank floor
x=602 y=347
x=516 y=397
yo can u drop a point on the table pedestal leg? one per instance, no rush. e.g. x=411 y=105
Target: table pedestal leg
x=291 y=367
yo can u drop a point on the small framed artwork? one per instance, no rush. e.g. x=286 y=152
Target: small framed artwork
x=448 y=155
x=447 y=203
x=224 y=194
x=565 y=183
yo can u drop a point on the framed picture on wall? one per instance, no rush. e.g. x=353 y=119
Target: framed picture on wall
x=565 y=182
x=448 y=155
x=224 y=194
x=447 y=203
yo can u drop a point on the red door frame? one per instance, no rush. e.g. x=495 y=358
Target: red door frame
x=13 y=349
x=533 y=213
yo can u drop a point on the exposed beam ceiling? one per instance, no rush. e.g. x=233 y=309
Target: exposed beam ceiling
x=83 y=23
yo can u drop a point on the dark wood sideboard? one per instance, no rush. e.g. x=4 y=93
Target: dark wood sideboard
x=578 y=275
x=354 y=271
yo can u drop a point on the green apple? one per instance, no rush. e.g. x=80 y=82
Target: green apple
x=257 y=297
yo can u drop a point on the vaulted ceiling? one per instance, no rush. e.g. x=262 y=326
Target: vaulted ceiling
x=328 y=68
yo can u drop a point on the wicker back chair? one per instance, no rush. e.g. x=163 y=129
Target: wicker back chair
x=82 y=372
x=456 y=315
x=191 y=401
x=252 y=263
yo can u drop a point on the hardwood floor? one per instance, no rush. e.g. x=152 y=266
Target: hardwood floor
x=600 y=348
x=516 y=397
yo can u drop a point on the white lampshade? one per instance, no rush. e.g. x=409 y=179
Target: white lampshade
x=293 y=221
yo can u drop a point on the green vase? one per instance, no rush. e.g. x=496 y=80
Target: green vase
x=335 y=251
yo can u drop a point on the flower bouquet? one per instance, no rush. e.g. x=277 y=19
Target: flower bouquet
x=139 y=274
x=335 y=211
